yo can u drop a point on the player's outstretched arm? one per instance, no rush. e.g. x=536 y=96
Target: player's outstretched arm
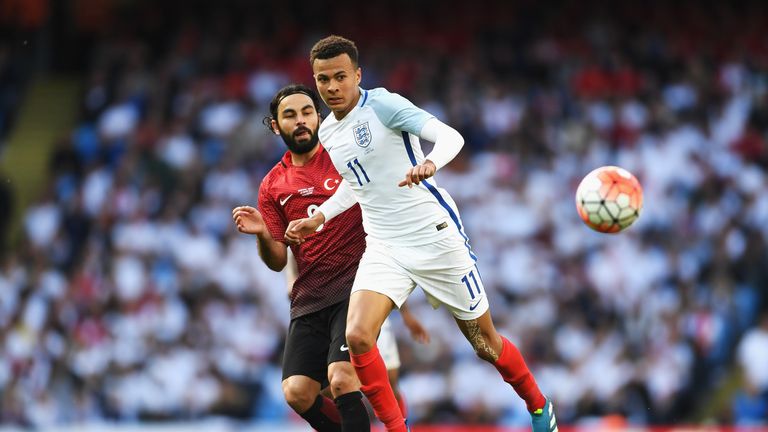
x=250 y=221
x=448 y=143
x=339 y=202
x=418 y=332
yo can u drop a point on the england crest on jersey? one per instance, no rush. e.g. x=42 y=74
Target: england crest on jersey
x=362 y=135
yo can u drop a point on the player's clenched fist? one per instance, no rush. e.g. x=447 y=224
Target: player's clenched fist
x=248 y=220
x=300 y=228
x=418 y=173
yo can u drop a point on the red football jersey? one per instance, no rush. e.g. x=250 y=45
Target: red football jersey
x=327 y=260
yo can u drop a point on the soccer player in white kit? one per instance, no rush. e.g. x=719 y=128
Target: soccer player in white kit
x=414 y=232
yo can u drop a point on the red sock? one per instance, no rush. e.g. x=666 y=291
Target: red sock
x=375 y=384
x=515 y=372
x=402 y=405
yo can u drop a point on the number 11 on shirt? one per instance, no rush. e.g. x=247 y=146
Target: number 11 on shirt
x=359 y=181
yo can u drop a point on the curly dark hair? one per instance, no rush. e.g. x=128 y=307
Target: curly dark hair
x=284 y=92
x=331 y=47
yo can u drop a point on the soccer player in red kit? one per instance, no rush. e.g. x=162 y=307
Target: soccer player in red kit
x=316 y=353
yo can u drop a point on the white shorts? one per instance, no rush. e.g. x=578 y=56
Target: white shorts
x=445 y=270
x=388 y=346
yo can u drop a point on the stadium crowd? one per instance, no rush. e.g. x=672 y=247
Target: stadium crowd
x=132 y=296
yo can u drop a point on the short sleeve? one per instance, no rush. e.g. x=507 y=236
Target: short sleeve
x=397 y=112
x=274 y=219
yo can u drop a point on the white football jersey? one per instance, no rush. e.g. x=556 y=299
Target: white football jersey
x=372 y=148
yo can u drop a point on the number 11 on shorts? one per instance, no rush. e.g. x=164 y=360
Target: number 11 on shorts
x=466 y=279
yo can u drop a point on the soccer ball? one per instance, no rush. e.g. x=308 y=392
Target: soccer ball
x=609 y=199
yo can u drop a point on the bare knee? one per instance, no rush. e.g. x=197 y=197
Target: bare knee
x=299 y=395
x=359 y=339
x=342 y=379
x=367 y=311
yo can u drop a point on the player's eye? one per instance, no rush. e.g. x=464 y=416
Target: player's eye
x=341 y=77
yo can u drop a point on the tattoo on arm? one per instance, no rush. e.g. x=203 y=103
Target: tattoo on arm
x=481 y=346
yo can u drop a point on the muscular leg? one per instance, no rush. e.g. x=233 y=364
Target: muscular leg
x=490 y=346
x=345 y=388
x=483 y=336
x=342 y=378
x=367 y=312
x=302 y=395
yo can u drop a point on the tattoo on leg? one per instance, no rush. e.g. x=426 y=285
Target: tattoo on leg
x=482 y=348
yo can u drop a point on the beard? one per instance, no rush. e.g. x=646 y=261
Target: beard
x=300 y=147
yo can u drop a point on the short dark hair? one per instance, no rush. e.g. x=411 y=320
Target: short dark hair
x=284 y=92
x=332 y=46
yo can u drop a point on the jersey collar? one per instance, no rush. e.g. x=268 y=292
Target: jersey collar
x=363 y=97
x=288 y=162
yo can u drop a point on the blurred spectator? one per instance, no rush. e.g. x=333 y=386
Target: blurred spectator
x=751 y=405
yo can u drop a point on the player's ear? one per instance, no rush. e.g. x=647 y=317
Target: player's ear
x=275 y=129
x=358 y=75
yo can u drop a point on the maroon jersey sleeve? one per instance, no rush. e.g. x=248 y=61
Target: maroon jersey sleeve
x=274 y=218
